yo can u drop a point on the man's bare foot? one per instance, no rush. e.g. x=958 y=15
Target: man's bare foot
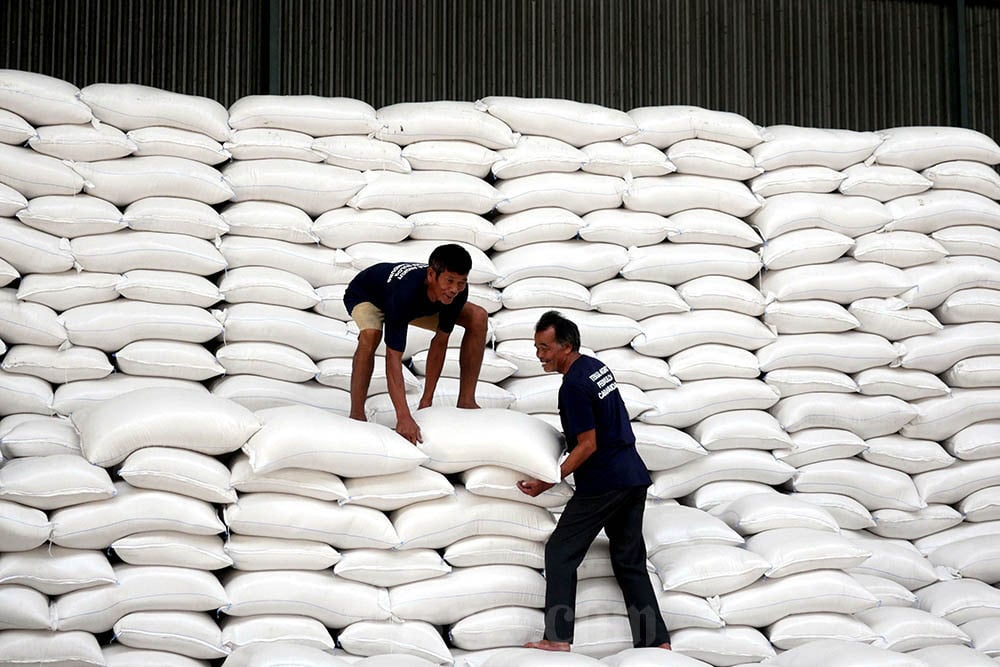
x=361 y=418
x=546 y=645
x=468 y=405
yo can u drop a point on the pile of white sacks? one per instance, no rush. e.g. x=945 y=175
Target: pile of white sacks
x=804 y=324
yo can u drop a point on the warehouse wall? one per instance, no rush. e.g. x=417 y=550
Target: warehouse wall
x=858 y=64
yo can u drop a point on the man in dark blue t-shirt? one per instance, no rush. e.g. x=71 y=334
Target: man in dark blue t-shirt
x=611 y=481
x=432 y=296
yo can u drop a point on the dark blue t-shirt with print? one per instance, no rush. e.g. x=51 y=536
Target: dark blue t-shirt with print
x=589 y=399
x=399 y=291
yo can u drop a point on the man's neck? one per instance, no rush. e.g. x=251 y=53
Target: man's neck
x=569 y=362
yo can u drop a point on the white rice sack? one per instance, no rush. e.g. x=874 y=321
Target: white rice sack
x=25 y=609
x=535 y=225
x=970 y=240
x=637 y=369
x=51 y=482
x=849 y=352
x=938 y=209
x=391 y=492
x=54 y=570
x=250 y=553
x=668 y=526
x=960 y=600
x=764 y=512
x=794 y=550
x=812 y=445
x=842 y=281
x=614 y=158
x=41 y=99
x=319 y=266
x=787 y=146
x=130 y=106
x=666 y=335
x=28 y=250
x=539 y=395
x=695 y=400
x=495 y=550
x=425 y=191
x=740 y=429
x=624 y=227
x=138 y=588
x=126 y=180
x=263 y=284
x=906 y=454
x=977 y=441
x=113 y=325
x=498 y=482
x=411 y=122
x=69 y=216
x=805 y=246
x=396 y=643
x=723 y=646
x=277 y=630
x=666 y=125
x=361 y=153
x=337 y=373
x=385 y=568
x=454 y=226
x=941 y=417
x=35 y=435
x=23 y=528
x=965 y=175
x=577 y=192
x=62 y=291
x=851 y=216
x=51 y=648
x=298 y=517
x=921 y=147
x=889 y=593
x=702 y=225
x=677 y=263
x=22 y=393
x=844 y=653
x=296 y=481
x=11 y=201
x=808 y=317
x=900 y=249
x=173 y=142
x=722 y=293
x=902 y=629
x=168 y=358
x=875 y=487
x=935 y=283
x=179 y=471
x=712 y=158
x=799 y=629
x=794 y=381
x=268 y=219
x=35 y=175
x=310 y=114
x=598 y=331
x=364 y=255
x=679 y=192
x=173 y=549
x=315 y=188
x=14 y=130
x=192 y=634
x=968 y=305
x=535 y=155
x=22 y=322
x=191 y=420
x=263 y=654
x=438 y=523
x=714 y=497
x=379 y=408
x=264 y=143
x=983 y=505
x=463 y=157
x=546 y=292
x=318 y=336
x=709 y=361
x=176 y=216
x=129 y=250
x=914 y=525
x=769 y=600
x=297 y=437
x=960 y=479
x=984 y=635
x=707 y=570
x=636 y=299
x=952 y=654
x=576 y=123
x=882 y=183
x=466 y=591
x=579 y=261
x=498 y=627
x=892 y=318
x=733 y=464
x=166 y=287
x=494 y=369
x=334 y=601
x=73 y=396
x=796 y=179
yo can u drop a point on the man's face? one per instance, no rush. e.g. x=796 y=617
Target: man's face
x=552 y=355
x=445 y=286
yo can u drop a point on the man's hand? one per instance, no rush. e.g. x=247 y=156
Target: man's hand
x=406 y=427
x=533 y=487
x=425 y=403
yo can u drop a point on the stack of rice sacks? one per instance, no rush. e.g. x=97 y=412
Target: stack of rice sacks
x=801 y=323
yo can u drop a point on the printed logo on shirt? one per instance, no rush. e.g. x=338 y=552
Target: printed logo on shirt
x=400 y=271
x=604 y=380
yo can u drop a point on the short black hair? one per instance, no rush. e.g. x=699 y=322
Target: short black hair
x=451 y=257
x=566 y=331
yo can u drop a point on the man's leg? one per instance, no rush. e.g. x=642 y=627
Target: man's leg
x=362 y=368
x=473 y=319
x=628 y=560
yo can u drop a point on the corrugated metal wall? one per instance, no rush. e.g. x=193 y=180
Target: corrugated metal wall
x=859 y=64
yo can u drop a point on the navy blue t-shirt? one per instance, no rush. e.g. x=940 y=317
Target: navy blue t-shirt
x=589 y=399
x=398 y=290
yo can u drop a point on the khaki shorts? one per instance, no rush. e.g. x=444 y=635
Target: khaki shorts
x=367 y=316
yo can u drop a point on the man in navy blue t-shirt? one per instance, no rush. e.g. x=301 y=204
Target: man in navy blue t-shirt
x=432 y=296
x=611 y=481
